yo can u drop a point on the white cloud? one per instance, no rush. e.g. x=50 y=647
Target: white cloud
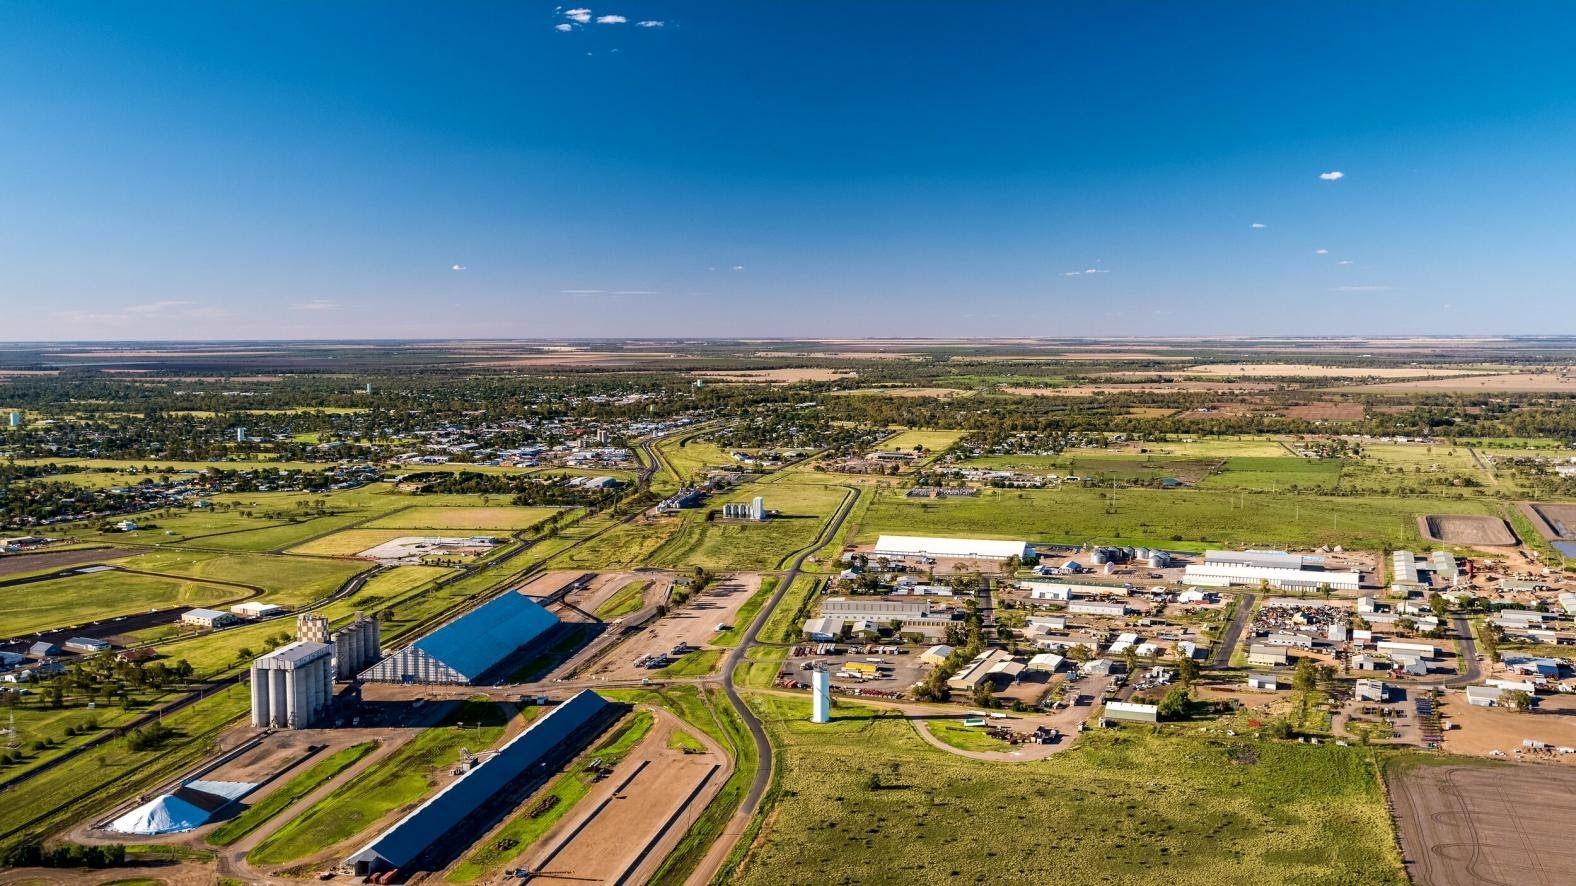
x=457 y=267
x=636 y=292
x=1333 y=175
x=738 y=267
x=563 y=26
x=1085 y=272
x=649 y=23
x=610 y=19
x=580 y=291
x=153 y=309
x=316 y=305
x=1361 y=288
x=1344 y=261
x=578 y=15
x=1321 y=252
x=1258 y=225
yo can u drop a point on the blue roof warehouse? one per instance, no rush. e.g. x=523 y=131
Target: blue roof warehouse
x=469 y=646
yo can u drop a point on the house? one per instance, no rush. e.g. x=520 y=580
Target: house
x=206 y=618
x=1371 y=690
x=1484 y=696
x=126 y=526
x=1271 y=656
x=1264 y=681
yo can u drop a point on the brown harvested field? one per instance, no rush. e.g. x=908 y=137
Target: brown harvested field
x=1475 y=824
x=1452 y=529
x=1183 y=387
x=1311 y=370
x=624 y=828
x=942 y=393
x=1503 y=383
x=779 y=376
x=1326 y=412
x=1553 y=521
x=16 y=564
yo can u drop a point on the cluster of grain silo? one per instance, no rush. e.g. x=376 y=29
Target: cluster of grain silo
x=1154 y=557
x=355 y=647
x=293 y=686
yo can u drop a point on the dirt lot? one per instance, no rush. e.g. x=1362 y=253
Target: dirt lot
x=1214 y=387
x=778 y=376
x=942 y=393
x=1481 y=730
x=625 y=826
x=14 y=564
x=695 y=625
x=1309 y=370
x=1326 y=412
x=1457 y=530
x=1479 y=824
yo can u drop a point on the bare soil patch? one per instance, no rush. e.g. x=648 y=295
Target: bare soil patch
x=1209 y=387
x=1553 y=521
x=1311 y=370
x=14 y=564
x=1326 y=412
x=942 y=393
x=779 y=376
x=1460 y=530
x=1478 y=824
x=1505 y=383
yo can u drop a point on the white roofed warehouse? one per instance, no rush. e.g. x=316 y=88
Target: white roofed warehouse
x=1278 y=569
x=957 y=548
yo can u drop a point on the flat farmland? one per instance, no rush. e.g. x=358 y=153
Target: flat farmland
x=1179 y=518
x=1386 y=466
x=1132 y=808
x=747 y=545
x=77 y=599
x=1118 y=465
x=1506 y=383
x=289 y=581
x=1469 y=823
x=1276 y=473
x=1311 y=370
x=492 y=519
x=934 y=441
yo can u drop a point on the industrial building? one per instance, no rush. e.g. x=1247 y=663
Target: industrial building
x=206 y=618
x=962 y=548
x=870 y=613
x=1131 y=711
x=1112 y=609
x=471 y=645
x=557 y=734
x=1278 y=569
x=293 y=686
x=86 y=645
x=355 y=645
x=252 y=610
x=1262 y=655
x=988 y=665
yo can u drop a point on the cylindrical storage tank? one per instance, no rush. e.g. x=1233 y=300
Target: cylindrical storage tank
x=1141 y=553
x=821 y=697
x=259 y=696
x=1158 y=560
x=1099 y=557
x=1127 y=554
x=1110 y=568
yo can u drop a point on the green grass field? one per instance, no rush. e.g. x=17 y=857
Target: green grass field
x=742 y=545
x=477 y=519
x=403 y=778
x=318 y=775
x=626 y=600
x=693 y=664
x=967 y=738
x=1124 y=807
x=747 y=613
x=78 y=599
x=290 y=581
x=1179 y=518
x=1276 y=474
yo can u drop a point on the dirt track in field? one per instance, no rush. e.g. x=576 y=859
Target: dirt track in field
x=1475 y=825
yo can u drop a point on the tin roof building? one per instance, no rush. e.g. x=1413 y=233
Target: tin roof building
x=970 y=548
x=470 y=646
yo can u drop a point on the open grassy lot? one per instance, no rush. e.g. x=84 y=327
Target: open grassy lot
x=1386 y=467
x=746 y=614
x=1102 y=465
x=319 y=774
x=934 y=441
x=78 y=599
x=968 y=738
x=1276 y=474
x=290 y=581
x=1180 y=518
x=720 y=545
x=623 y=546
x=403 y=778
x=626 y=600
x=350 y=542
x=690 y=458
x=693 y=664
x=479 y=519
x=1124 y=807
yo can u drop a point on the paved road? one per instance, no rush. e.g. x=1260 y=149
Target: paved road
x=1228 y=640
x=1469 y=655
x=763 y=749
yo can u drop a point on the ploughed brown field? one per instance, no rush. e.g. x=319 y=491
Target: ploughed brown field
x=1463 y=530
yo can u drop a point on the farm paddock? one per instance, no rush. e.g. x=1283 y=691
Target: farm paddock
x=1477 y=823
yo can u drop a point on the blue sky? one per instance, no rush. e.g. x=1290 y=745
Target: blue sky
x=786 y=169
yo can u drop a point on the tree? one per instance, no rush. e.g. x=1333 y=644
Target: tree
x=1306 y=677
x=1439 y=604
x=1175 y=704
x=1516 y=700
x=1187 y=670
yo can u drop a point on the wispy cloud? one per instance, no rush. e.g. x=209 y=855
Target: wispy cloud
x=1344 y=261
x=153 y=309
x=167 y=309
x=1361 y=288
x=1333 y=175
x=1321 y=252
x=738 y=267
x=610 y=19
x=649 y=23
x=316 y=305
x=1258 y=225
x=581 y=291
x=563 y=26
x=636 y=292
x=582 y=16
x=1085 y=272
x=457 y=268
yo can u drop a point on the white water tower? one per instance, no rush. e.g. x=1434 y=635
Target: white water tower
x=820 y=696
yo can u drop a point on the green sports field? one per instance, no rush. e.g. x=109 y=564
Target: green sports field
x=78 y=599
